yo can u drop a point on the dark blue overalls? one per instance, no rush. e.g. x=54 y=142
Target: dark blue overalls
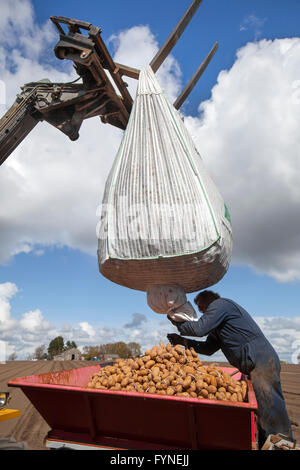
x=230 y=328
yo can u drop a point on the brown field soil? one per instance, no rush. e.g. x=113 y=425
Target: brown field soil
x=31 y=428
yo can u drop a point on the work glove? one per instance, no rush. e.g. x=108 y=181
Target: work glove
x=172 y=321
x=175 y=339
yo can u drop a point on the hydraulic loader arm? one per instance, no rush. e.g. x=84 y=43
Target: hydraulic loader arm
x=16 y=124
x=63 y=105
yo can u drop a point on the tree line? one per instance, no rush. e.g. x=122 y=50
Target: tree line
x=58 y=346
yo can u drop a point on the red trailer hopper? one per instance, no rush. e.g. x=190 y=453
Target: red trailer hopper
x=80 y=416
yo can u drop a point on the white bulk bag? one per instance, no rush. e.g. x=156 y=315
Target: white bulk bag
x=163 y=219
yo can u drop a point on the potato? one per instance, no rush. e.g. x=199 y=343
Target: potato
x=193 y=352
x=221 y=396
x=220 y=382
x=146 y=358
x=116 y=387
x=188 y=369
x=169 y=370
x=199 y=385
x=207 y=378
x=212 y=389
x=244 y=392
x=187 y=382
x=179 y=349
x=214 y=373
x=124 y=382
x=140 y=362
x=211 y=396
x=99 y=386
x=213 y=381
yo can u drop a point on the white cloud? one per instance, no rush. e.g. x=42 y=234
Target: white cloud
x=7 y=291
x=136 y=47
x=33 y=322
x=87 y=328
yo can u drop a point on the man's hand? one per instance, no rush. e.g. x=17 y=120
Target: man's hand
x=175 y=339
x=172 y=321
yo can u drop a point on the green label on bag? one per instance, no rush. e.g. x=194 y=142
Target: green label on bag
x=227 y=215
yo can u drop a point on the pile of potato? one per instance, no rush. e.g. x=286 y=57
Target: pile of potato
x=170 y=370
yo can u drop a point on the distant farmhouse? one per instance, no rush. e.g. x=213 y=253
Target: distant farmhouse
x=69 y=355
x=75 y=355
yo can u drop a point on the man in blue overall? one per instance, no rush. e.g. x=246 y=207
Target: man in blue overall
x=230 y=328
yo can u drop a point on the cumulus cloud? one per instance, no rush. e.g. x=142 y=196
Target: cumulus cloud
x=21 y=335
x=7 y=291
x=139 y=56
x=34 y=322
x=87 y=328
x=284 y=334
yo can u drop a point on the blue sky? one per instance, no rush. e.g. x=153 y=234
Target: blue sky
x=49 y=273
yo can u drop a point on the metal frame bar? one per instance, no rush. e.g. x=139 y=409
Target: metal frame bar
x=193 y=81
x=168 y=45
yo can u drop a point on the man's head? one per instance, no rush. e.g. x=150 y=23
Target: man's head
x=203 y=299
